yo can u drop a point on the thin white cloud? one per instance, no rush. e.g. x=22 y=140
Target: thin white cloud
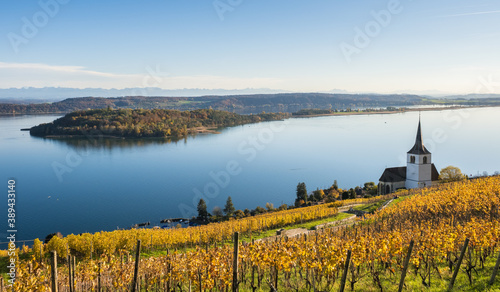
x=44 y=75
x=472 y=13
x=53 y=68
x=462 y=79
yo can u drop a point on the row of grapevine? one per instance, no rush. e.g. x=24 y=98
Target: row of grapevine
x=437 y=220
x=313 y=262
x=115 y=242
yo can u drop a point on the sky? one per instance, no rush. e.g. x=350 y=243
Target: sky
x=386 y=46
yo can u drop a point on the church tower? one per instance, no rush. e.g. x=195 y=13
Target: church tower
x=419 y=164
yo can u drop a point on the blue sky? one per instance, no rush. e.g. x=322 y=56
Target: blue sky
x=448 y=46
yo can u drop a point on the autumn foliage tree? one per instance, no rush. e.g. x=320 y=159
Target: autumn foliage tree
x=139 y=123
x=451 y=173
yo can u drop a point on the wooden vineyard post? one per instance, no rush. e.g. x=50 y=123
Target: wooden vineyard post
x=346 y=269
x=99 y=277
x=136 y=269
x=253 y=278
x=168 y=271
x=495 y=271
x=457 y=268
x=235 y=262
x=405 y=267
x=54 y=271
x=69 y=274
x=73 y=273
x=41 y=254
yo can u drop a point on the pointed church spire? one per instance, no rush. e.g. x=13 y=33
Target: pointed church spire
x=419 y=147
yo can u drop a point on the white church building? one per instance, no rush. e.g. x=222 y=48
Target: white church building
x=419 y=171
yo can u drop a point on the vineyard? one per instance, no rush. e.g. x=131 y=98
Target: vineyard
x=430 y=237
x=123 y=241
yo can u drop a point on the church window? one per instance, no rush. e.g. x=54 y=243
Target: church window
x=412 y=159
x=425 y=159
x=387 y=189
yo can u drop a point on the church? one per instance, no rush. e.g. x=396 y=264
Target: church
x=419 y=171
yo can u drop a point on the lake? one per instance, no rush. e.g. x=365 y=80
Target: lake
x=81 y=185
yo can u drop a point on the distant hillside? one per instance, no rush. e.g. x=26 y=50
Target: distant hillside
x=60 y=93
x=473 y=96
x=243 y=104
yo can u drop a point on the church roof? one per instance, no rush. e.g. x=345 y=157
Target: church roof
x=394 y=174
x=419 y=147
x=434 y=173
x=398 y=174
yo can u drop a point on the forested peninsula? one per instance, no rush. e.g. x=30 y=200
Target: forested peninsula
x=142 y=123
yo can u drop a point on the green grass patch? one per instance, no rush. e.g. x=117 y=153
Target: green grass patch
x=310 y=225
x=181 y=102
x=398 y=200
x=306 y=225
x=369 y=208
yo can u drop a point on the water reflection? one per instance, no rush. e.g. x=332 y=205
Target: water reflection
x=107 y=143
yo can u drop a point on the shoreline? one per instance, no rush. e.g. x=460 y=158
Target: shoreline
x=315 y=115
x=206 y=130
x=193 y=131
x=32 y=114
x=402 y=110
x=386 y=112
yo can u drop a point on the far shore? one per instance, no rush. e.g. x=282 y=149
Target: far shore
x=401 y=110
x=207 y=130
x=33 y=114
x=385 y=112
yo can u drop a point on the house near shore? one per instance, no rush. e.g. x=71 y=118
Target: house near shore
x=419 y=171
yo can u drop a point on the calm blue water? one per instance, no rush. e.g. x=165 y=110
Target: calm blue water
x=75 y=186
